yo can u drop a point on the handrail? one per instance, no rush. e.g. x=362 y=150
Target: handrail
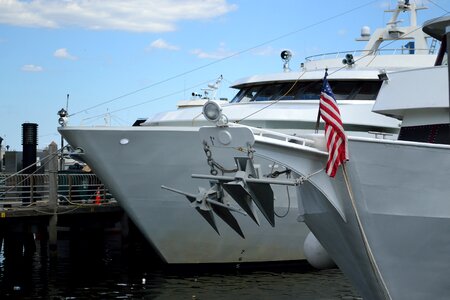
x=279 y=135
x=29 y=189
x=356 y=53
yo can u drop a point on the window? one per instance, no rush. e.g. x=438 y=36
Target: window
x=246 y=94
x=308 y=90
x=268 y=92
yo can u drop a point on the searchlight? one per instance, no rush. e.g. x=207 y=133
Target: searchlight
x=213 y=112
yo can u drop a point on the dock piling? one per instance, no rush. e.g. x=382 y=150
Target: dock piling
x=53 y=197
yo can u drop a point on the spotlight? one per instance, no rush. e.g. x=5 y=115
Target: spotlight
x=286 y=55
x=212 y=111
x=348 y=60
x=62 y=117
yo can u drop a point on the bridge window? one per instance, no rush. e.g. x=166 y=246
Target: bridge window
x=308 y=90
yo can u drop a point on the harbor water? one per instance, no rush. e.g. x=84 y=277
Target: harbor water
x=93 y=267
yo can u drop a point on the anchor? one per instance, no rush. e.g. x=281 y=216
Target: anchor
x=247 y=188
x=208 y=201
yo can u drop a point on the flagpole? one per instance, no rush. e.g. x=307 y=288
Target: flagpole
x=318 y=112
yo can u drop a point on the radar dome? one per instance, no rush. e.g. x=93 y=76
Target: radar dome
x=365 y=31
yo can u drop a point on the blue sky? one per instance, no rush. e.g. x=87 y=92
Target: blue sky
x=157 y=51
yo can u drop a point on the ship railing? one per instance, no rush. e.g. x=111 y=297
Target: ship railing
x=34 y=189
x=277 y=135
x=359 y=53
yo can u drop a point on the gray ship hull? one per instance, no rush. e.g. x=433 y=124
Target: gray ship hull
x=393 y=242
x=156 y=156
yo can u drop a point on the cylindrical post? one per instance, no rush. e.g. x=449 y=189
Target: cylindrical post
x=53 y=196
x=29 y=144
x=53 y=175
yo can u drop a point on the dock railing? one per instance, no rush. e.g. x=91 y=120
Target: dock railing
x=23 y=189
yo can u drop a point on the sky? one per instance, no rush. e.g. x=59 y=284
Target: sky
x=123 y=60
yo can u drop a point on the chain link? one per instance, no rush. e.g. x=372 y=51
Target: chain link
x=213 y=164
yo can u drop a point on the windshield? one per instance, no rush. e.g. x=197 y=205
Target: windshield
x=343 y=90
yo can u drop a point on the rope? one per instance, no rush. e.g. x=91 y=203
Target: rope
x=24 y=169
x=29 y=175
x=302 y=179
x=337 y=70
x=372 y=260
x=275 y=102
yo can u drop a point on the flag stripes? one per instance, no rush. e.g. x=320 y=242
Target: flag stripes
x=334 y=130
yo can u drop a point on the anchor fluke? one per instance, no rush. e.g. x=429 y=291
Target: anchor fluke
x=264 y=199
x=239 y=194
x=202 y=209
x=247 y=187
x=208 y=202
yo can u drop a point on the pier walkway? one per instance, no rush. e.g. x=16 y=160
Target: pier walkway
x=40 y=205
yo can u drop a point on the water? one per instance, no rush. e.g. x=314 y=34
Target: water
x=97 y=268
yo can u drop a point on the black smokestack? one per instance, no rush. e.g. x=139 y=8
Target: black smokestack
x=29 y=144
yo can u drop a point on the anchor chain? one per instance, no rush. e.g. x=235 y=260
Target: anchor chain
x=250 y=151
x=213 y=164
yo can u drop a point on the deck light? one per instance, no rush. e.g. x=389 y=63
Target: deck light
x=212 y=111
x=62 y=117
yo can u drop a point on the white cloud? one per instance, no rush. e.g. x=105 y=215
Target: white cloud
x=130 y=15
x=63 y=53
x=32 y=68
x=386 y=4
x=162 y=44
x=221 y=52
x=342 y=32
x=265 y=51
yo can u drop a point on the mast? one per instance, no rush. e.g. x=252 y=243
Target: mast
x=393 y=32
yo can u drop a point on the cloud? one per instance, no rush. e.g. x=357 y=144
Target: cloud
x=342 y=32
x=63 y=53
x=130 y=15
x=385 y=5
x=32 y=68
x=162 y=44
x=220 y=53
x=264 y=51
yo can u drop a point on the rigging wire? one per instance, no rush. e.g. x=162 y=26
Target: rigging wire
x=437 y=5
x=227 y=57
x=148 y=101
x=332 y=72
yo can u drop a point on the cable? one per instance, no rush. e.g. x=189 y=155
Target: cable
x=148 y=101
x=439 y=6
x=333 y=72
x=225 y=58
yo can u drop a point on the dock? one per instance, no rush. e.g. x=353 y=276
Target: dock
x=37 y=206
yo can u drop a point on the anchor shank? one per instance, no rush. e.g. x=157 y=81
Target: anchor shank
x=251 y=180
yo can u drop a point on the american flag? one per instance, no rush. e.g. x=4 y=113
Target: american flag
x=334 y=131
